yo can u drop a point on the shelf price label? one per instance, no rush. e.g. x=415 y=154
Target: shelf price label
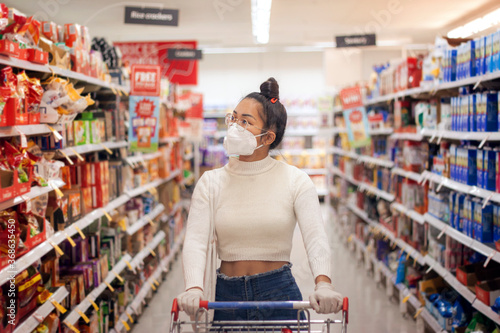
x=109 y=286
x=125 y=324
x=129 y=317
x=57 y=248
x=83 y=316
x=70 y=240
x=71 y=327
x=118 y=276
x=80 y=232
x=94 y=304
x=58 y=306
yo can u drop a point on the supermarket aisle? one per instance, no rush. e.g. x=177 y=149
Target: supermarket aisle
x=371 y=310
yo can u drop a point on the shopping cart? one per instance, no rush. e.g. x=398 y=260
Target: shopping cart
x=202 y=324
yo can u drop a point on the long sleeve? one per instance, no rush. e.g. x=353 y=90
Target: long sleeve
x=310 y=220
x=197 y=234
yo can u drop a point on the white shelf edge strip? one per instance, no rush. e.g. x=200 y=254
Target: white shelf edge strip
x=73 y=317
x=145 y=219
x=378 y=192
x=407 y=136
x=60 y=236
x=339 y=173
x=407 y=174
x=462 y=238
x=376 y=161
x=463 y=136
x=34 y=192
x=434 y=87
x=43 y=311
x=409 y=212
x=156 y=183
x=142 y=158
x=94 y=147
x=459 y=187
x=139 y=257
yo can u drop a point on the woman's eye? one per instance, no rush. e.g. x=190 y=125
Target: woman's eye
x=244 y=121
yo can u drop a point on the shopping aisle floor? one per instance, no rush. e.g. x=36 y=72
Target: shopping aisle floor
x=370 y=309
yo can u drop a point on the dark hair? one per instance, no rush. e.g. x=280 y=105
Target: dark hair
x=273 y=114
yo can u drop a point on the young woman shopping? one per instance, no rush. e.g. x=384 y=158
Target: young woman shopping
x=247 y=211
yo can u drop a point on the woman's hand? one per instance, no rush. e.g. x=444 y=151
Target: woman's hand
x=189 y=301
x=325 y=299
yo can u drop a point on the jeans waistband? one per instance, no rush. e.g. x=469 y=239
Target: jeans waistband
x=284 y=268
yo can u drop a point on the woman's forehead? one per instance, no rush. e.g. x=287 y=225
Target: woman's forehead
x=248 y=107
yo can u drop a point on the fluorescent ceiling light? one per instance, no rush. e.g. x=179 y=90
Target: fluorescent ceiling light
x=261 y=16
x=476 y=26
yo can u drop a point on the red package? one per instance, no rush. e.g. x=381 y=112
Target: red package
x=49 y=30
x=72 y=35
x=31 y=30
x=16 y=21
x=9 y=80
x=4 y=16
x=34 y=97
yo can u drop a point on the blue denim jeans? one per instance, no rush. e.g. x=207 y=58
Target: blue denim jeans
x=276 y=285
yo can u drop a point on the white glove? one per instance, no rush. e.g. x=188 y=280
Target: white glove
x=325 y=299
x=189 y=301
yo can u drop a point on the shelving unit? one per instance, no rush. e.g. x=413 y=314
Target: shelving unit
x=33 y=193
x=139 y=224
x=149 y=283
x=60 y=236
x=91 y=148
x=29 y=66
x=42 y=312
x=408 y=212
x=74 y=315
x=407 y=174
x=148 y=249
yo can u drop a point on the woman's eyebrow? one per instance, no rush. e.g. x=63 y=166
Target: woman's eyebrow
x=244 y=114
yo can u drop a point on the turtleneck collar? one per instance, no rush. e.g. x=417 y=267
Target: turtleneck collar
x=238 y=167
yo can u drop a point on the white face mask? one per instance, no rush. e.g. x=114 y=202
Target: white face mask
x=240 y=142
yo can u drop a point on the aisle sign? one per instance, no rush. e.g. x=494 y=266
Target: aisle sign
x=355 y=40
x=183 y=72
x=355 y=117
x=145 y=80
x=143 y=129
x=151 y=16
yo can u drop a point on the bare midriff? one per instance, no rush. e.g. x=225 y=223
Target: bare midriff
x=249 y=267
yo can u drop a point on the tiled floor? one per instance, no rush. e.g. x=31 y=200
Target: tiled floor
x=370 y=309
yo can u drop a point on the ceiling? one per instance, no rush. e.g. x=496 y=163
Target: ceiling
x=227 y=23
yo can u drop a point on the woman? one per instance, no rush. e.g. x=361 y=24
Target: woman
x=254 y=203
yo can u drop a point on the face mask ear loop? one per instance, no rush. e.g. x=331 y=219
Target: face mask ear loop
x=262 y=145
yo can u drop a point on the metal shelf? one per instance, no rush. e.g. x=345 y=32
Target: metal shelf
x=27 y=130
x=173 y=139
x=459 y=187
x=85 y=149
x=381 y=131
x=462 y=136
x=41 y=312
x=407 y=174
x=141 y=158
x=407 y=136
x=377 y=192
x=139 y=224
x=409 y=212
x=74 y=316
x=26 y=65
x=435 y=87
x=376 y=161
x=33 y=193
x=462 y=290
x=462 y=238
x=145 y=188
x=337 y=172
x=139 y=257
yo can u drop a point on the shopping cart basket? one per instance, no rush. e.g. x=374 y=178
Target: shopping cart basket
x=202 y=324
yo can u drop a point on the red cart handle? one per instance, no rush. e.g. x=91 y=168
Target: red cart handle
x=345 y=309
x=175 y=310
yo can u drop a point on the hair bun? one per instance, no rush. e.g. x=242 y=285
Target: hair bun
x=270 y=88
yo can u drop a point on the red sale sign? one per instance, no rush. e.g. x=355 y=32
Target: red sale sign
x=145 y=80
x=351 y=98
x=183 y=72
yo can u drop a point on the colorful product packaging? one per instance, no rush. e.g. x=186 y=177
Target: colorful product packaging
x=491 y=116
x=471 y=166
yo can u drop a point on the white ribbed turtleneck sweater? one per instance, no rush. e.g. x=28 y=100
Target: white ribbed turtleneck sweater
x=256 y=211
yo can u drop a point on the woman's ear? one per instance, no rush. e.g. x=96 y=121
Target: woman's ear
x=269 y=138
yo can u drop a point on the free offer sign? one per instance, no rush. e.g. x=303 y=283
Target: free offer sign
x=145 y=80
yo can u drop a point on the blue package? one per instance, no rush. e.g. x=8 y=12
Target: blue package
x=451 y=204
x=458 y=215
x=472 y=166
x=491 y=117
x=480 y=168
x=453 y=65
x=498 y=105
x=484 y=231
x=481 y=112
x=477 y=55
x=488 y=48
x=401 y=270
x=472 y=113
x=484 y=69
x=453 y=161
x=490 y=172
x=496 y=223
x=496 y=306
